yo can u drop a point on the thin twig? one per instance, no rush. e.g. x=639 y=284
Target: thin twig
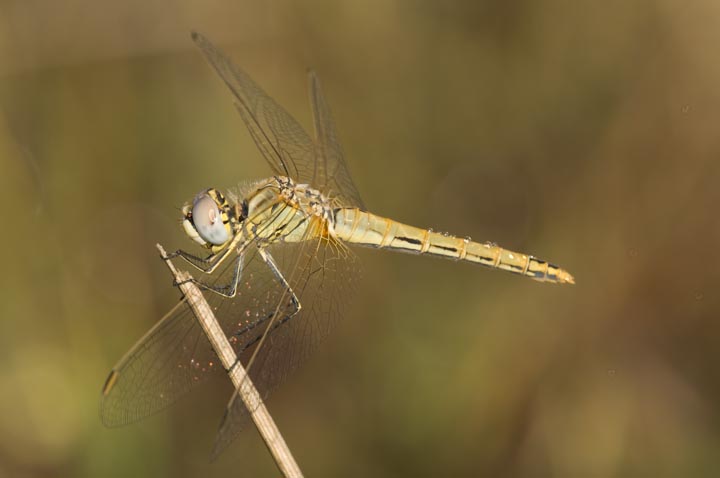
x=246 y=389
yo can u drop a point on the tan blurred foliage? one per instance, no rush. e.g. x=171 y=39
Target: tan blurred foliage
x=583 y=132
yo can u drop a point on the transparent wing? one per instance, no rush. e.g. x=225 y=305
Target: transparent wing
x=175 y=355
x=331 y=170
x=281 y=140
x=167 y=362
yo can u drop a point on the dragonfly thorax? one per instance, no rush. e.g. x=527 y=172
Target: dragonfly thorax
x=279 y=209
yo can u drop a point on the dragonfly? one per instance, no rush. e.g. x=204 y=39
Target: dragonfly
x=277 y=264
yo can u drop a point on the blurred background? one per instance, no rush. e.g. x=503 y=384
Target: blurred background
x=584 y=132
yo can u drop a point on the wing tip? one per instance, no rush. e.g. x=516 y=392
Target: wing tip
x=199 y=39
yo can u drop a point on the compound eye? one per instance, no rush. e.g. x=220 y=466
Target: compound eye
x=208 y=222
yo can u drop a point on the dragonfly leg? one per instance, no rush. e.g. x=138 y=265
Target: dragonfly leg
x=228 y=290
x=276 y=271
x=207 y=264
x=293 y=298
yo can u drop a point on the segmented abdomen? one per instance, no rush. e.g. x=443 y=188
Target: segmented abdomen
x=360 y=227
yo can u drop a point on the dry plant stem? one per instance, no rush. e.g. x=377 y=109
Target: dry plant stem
x=246 y=389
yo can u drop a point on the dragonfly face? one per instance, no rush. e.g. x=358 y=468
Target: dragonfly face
x=210 y=220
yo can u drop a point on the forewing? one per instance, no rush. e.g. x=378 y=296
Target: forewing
x=175 y=355
x=167 y=362
x=281 y=140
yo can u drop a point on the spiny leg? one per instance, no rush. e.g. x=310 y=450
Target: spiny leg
x=276 y=271
x=206 y=265
x=228 y=290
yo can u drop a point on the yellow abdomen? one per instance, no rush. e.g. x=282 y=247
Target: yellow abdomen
x=360 y=227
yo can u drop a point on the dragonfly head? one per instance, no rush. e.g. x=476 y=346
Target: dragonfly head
x=210 y=220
